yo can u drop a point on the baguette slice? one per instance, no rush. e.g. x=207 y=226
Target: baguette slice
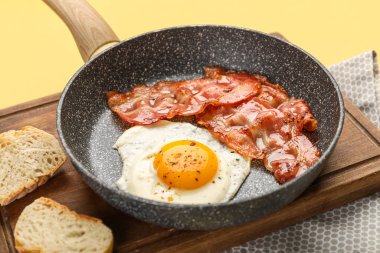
x=28 y=158
x=47 y=226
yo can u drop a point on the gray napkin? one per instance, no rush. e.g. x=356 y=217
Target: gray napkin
x=354 y=227
x=358 y=78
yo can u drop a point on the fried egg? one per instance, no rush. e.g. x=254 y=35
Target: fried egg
x=179 y=163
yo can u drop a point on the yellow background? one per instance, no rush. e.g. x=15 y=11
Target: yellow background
x=38 y=54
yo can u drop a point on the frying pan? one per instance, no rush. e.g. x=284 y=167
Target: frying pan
x=88 y=129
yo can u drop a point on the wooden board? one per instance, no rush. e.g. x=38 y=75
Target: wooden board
x=352 y=172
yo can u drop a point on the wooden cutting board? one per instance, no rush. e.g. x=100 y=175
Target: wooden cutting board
x=352 y=172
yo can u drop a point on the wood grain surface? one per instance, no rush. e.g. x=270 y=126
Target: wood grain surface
x=353 y=171
x=88 y=28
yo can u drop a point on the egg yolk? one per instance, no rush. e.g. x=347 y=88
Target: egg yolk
x=185 y=164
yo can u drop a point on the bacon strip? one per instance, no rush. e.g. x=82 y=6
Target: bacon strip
x=249 y=114
x=230 y=125
x=273 y=94
x=293 y=158
x=257 y=130
x=145 y=105
x=298 y=112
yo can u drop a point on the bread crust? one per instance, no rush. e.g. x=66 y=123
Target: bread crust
x=51 y=203
x=25 y=189
x=30 y=187
x=21 y=249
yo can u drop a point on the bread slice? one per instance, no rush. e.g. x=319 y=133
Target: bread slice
x=28 y=158
x=47 y=226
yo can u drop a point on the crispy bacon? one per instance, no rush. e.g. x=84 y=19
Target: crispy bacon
x=249 y=114
x=145 y=105
x=273 y=94
x=242 y=127
x=298 y=112
x=257 y=130
x=293 y=158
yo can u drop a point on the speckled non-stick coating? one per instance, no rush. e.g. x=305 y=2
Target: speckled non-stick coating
x=88 y=129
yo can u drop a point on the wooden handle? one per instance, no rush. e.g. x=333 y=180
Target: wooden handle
x=89 y=29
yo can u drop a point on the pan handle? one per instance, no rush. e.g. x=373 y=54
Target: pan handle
x=91 y=33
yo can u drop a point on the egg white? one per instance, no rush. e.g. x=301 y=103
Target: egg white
x=138 y=145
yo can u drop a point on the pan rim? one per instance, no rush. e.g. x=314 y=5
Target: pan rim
x=82 y=168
